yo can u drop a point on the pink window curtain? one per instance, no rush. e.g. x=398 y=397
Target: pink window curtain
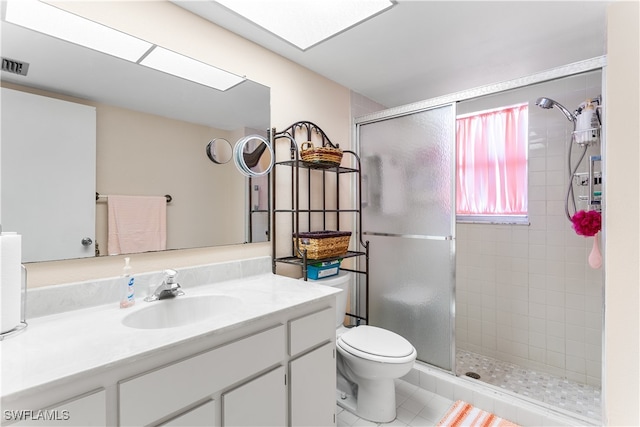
x=492 y=162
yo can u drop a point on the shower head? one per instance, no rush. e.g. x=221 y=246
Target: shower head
x=548 y=103
x=545 y=103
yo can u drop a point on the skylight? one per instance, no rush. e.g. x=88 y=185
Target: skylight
x=305 y=23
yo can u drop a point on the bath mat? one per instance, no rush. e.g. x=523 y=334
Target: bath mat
x=463 y=414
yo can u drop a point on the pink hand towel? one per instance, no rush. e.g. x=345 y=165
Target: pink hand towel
x=137 y=224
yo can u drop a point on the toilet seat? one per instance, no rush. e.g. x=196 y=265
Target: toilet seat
x=376 y=344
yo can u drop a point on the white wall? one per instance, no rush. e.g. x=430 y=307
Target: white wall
x=622 y=220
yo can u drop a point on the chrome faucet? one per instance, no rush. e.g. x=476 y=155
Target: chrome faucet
x=169 y=288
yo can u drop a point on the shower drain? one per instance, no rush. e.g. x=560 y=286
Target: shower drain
x=473 y=375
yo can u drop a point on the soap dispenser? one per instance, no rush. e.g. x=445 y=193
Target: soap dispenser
x=127 y=291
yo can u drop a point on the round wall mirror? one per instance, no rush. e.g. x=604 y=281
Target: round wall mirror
x=219 y=151
x=253 y=156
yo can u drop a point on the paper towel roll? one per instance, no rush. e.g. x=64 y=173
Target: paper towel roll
x=10 y=281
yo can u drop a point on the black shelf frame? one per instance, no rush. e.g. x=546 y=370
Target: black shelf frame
x=298 y=256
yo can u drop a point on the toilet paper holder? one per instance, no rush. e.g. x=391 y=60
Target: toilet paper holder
x=23 y=308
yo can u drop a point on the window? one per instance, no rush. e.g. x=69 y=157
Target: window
x=491 y=165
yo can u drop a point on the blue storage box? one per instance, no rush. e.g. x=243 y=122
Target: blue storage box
x=320 y=270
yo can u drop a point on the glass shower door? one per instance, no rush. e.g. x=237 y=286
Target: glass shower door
x=409 y=218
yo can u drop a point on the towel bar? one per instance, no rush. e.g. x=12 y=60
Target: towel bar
x=168 y=196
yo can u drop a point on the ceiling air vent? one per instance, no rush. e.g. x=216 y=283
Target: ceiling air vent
x=15 y=67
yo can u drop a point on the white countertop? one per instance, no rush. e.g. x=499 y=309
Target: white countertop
x=55 y=347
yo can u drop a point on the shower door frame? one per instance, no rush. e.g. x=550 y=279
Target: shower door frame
x=593 y=64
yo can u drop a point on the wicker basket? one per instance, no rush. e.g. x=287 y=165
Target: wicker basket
x=323 y=244
x=321 y=156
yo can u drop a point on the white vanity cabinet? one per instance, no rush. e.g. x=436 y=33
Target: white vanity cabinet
x=171 y=391
x=244 y=383
x=275 y=368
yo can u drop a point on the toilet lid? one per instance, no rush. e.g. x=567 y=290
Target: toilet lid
x=377 y=341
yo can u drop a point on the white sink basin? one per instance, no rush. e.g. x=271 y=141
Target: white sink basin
x=180 y=311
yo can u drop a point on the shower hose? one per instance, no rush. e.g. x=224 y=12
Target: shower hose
x=572 y=172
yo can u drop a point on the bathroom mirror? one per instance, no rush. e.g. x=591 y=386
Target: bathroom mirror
x=219 y=151
x=181 y=116
x=253 y=156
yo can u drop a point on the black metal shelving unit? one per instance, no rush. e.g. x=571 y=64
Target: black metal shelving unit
x=330 y=209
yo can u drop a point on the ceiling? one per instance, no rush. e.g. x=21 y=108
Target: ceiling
x=422 y=49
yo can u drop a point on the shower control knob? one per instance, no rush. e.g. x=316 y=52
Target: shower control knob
x=87 y=241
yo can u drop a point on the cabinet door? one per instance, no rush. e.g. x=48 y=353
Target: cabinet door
x=313 y=387
x=87 y=411
x=260 y=402
x=203 y=415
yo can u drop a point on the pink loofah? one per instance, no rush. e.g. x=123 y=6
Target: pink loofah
x=587 y=223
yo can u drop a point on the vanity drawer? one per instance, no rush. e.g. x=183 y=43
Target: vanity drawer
x=311 y=330
x=154 y=395
x=85 y=411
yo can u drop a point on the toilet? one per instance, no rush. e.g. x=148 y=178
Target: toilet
x=369 y=360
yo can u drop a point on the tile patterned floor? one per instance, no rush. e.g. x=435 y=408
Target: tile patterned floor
x=416 y=408
x=559 y=392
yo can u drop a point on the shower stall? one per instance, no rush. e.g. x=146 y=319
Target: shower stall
x=516 y=305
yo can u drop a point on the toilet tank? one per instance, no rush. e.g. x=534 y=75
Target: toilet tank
x=342 y=281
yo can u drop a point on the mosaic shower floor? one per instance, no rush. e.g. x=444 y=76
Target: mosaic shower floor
x=559 y=392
